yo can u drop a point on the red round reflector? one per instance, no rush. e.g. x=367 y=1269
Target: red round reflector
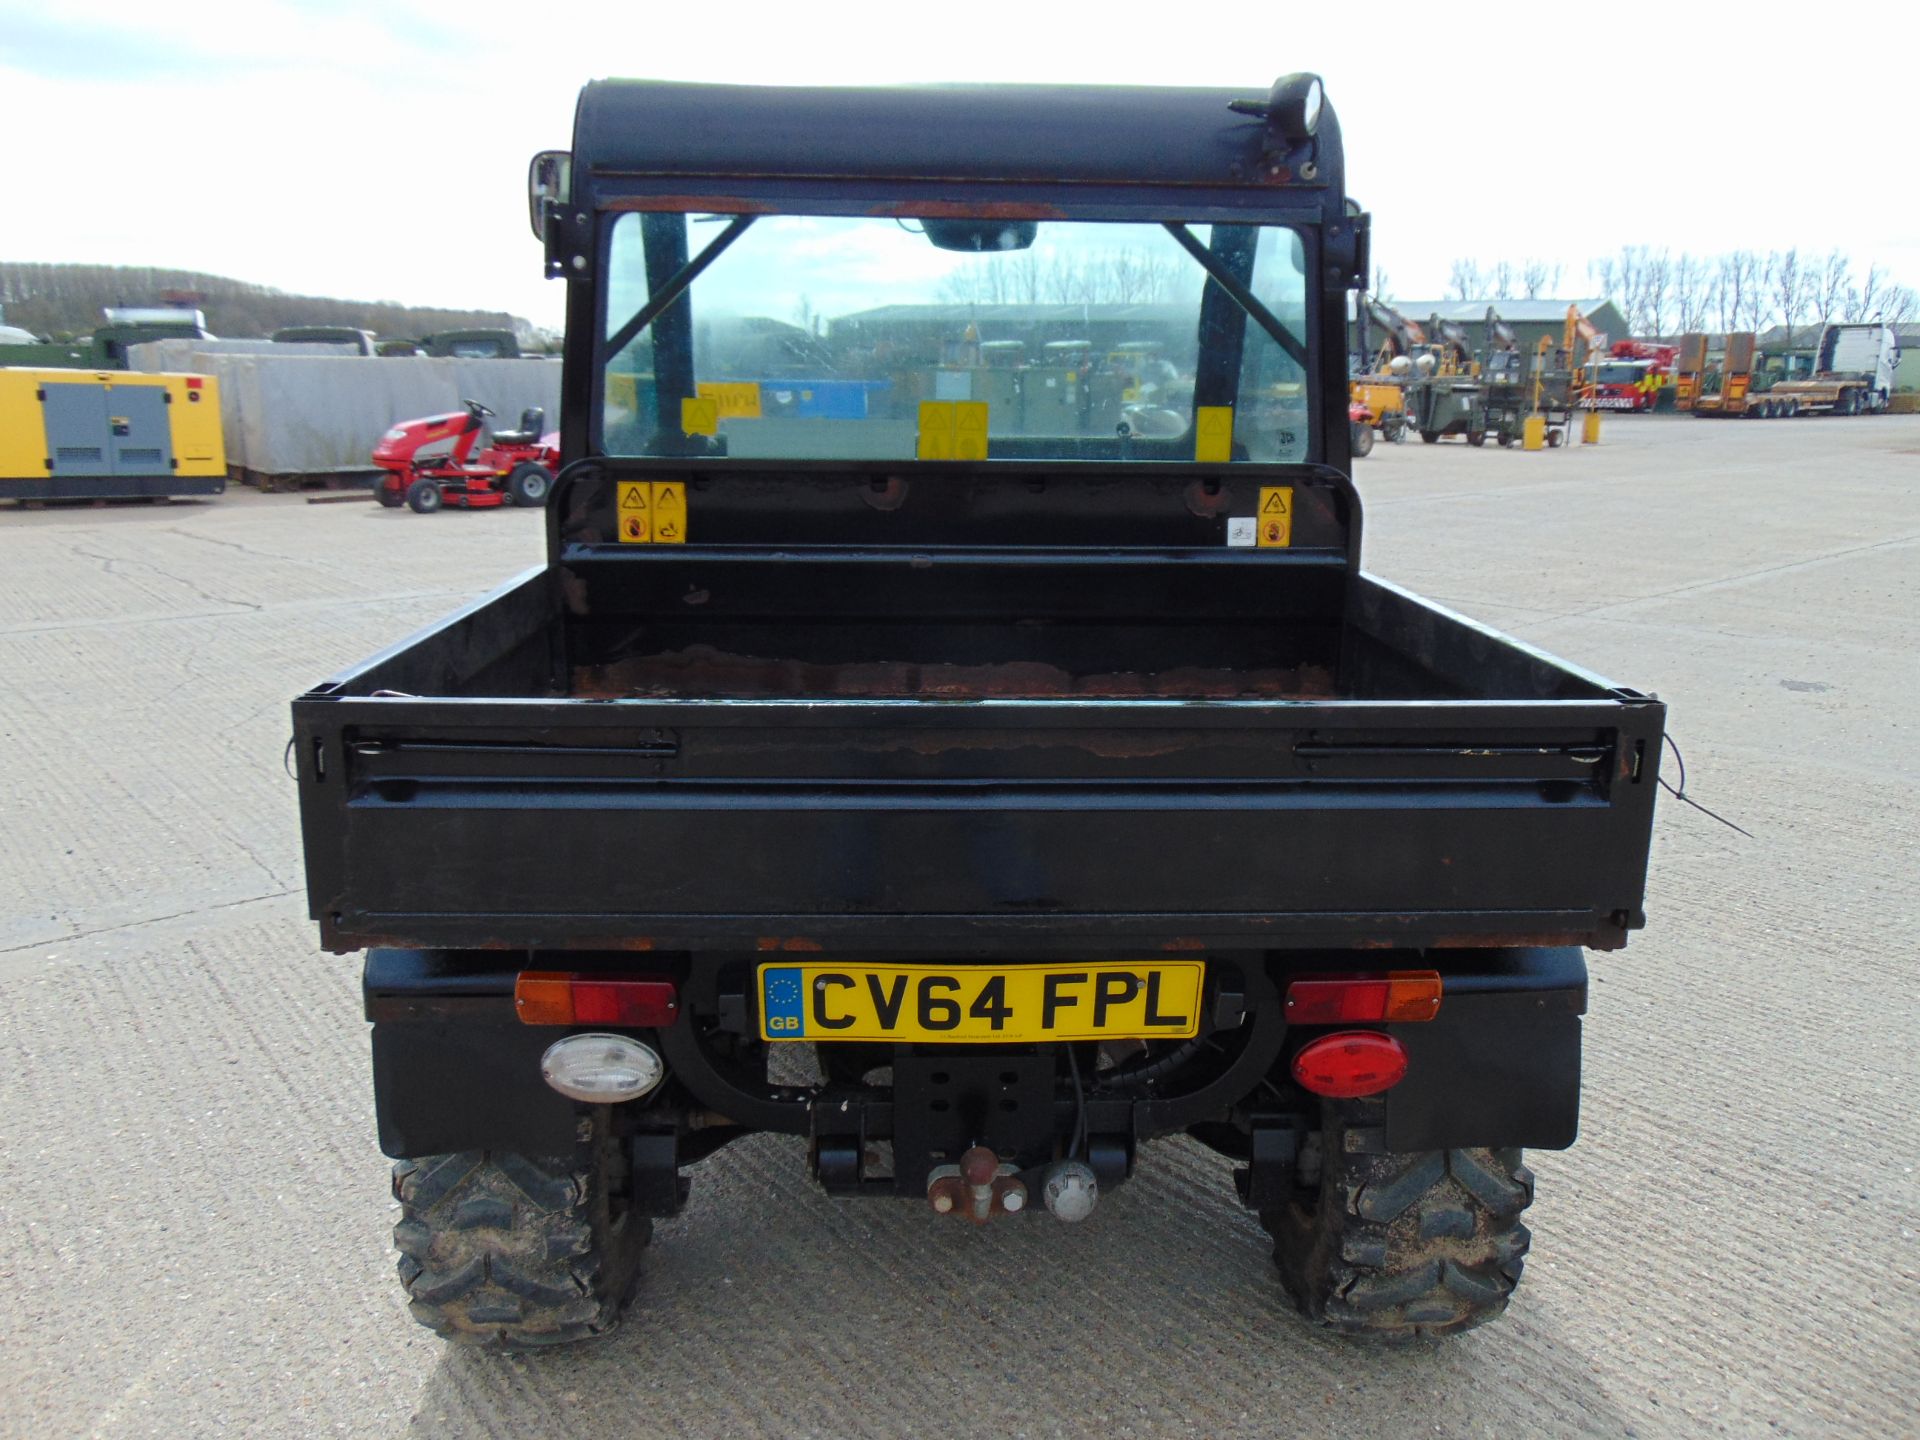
x=1350 y=1064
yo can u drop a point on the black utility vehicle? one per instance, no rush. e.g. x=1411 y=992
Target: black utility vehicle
x=953 y=728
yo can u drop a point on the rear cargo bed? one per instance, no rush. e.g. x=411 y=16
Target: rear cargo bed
x=881 y=752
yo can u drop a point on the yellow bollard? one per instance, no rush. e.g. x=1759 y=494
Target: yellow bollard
x=1590 y=428
x=1533 y=433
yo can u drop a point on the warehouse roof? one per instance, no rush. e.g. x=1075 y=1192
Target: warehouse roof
x=1528 y=311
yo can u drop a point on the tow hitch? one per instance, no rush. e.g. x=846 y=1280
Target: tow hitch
x=983 y=1185
x=980 y=1187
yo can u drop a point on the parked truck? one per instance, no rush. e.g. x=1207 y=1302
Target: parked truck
x=1853 y=369
x=972 y=805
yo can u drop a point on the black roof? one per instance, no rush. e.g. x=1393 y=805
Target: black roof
x=1115 y=136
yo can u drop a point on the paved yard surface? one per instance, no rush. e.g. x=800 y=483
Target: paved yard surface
x=193 y=1213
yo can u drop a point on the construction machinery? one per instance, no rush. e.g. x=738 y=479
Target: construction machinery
x=109 y=435
x=1503 y=377
x=1380 y=391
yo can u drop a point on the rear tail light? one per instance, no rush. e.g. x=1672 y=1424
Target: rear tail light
x=552 y=997
x=1349 y=1064
x=1402 y=995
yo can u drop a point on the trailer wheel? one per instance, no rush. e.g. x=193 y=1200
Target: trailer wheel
x=529 y=484
x=1398 y=1247
x=1428 y=437
x=1476 y=437
x=424 y=497
x=1506 y=439
x=1362 y=438
x=514 y=1252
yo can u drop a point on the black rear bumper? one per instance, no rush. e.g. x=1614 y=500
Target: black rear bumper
x=454 y=1070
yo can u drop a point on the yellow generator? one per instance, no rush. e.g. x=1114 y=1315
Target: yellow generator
x=109 y=435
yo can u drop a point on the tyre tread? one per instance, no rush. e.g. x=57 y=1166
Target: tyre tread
x=507 y=1251
x=1403 y=1247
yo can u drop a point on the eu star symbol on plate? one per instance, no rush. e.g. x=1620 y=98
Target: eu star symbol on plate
x=786 y=990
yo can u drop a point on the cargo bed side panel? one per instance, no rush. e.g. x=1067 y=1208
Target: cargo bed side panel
x=928 y=826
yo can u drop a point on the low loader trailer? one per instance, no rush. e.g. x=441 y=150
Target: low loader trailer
x=973 y=804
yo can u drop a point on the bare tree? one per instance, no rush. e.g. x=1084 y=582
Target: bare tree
x=1898 y=305
x=1381 y=285
x=1759 y=293
x=1628 y=272
x=1830 y=287
x=1657 y=268
x=1465 y=280
x=1500 y=280
x=1602 y=275
x=1865 y=303
x=1690 y=297
x=1736 y=274
x=1540 y=277
x=1025 y=278
x=1789 y=288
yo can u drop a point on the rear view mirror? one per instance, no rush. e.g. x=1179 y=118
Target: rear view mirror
x=978 y=235
x=549 y=177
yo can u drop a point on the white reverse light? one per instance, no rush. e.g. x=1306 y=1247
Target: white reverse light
x=601 y=1069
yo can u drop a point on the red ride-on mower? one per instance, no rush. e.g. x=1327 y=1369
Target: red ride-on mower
x=431 y=462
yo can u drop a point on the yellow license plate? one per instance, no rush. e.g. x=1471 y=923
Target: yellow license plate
x=966 y=1003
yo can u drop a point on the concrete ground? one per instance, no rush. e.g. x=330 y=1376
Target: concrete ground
x=194 y=1216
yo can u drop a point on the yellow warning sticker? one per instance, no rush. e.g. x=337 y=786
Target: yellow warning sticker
x=936 y=430
x=634 y=514
x=1276 y=516
x=734 y=400
x=970 y=430
x=669 y=512
x=1213 y=434
x=700 y=417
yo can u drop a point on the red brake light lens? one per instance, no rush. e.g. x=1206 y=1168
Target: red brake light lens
x=1349 y=1064
x=552 y=997
x=1401 y=996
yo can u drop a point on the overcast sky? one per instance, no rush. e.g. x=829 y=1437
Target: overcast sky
x=378 y=150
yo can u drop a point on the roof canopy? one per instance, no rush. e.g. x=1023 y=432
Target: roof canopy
x=1056 y=135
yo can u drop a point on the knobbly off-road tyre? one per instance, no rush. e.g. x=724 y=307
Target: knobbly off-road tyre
x=1401 y=1247
x=514 y=1252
